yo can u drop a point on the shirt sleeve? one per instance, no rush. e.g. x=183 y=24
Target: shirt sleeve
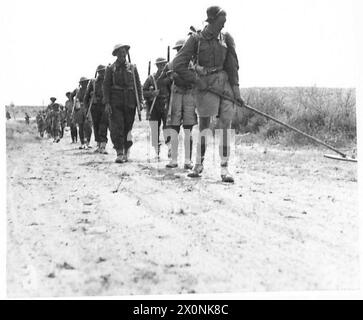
x=231 y=63
x=183 y=57
x=87 y=95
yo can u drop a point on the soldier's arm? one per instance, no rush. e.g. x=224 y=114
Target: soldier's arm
x=106 y=85
x=163 y=79
x=183 y=57
x=146 y=88
x=231 y=65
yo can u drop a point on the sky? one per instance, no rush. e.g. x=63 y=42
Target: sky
x=48 y=45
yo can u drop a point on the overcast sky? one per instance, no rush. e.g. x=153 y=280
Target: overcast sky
x=48 y=45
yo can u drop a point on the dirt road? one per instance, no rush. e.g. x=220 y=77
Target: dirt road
x=290 y=222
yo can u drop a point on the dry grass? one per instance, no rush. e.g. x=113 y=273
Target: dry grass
x=328 y=114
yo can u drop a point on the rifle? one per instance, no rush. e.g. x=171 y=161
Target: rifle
x=227 y=97
x=168 y=54
x=135 y=87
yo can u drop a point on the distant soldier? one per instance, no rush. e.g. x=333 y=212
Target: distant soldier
x=63 y=119
x=80 y=115
x=156 y=96
x=69 y=118
x=216 y=67
x=27 y=118
x=120 y=98
x=181 y=112
x=94 y=100
x=8 y=117
x=55 y=120
x=40 y=123
x=48 y=117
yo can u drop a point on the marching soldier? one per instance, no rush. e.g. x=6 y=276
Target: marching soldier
x=121 y=100
x=80 y=115
x=69 y=118
x=27 y=118
x=216 y=67
x=181 y=112
x=40 y=123
x=48 y=117
x=63 y=119
x=97 y=109
x=54 y=120
x=156 y=96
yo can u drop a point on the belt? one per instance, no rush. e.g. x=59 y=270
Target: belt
x=211 y=70
x=116 y=87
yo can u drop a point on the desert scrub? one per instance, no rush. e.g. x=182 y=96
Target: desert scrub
x=326 y=113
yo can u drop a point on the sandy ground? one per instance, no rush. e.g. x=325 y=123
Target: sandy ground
x=290 y=222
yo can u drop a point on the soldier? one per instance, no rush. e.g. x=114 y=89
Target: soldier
x=156 y=96
x=27 y=118
x=97 y=109
x=48 y=117
x=63 y=119
x=216 y=67
x=69 y=118
x=120 y=99
x=55 y=121
x=40 y=123
x=80 y=115
x=181 y=112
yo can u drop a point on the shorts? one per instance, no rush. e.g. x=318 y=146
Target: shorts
x=209 y=104
x=182 y=106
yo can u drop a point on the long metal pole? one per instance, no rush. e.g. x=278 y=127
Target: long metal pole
x=224 y=96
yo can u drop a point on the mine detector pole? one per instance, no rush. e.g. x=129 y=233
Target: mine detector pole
x=227 y=97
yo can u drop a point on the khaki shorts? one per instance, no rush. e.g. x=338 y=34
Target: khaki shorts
x=210 y=104
x=182 y=108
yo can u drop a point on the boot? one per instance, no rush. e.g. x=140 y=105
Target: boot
x=120 y=156
x=172 y=164
x=102 y=148
x=88 y=146
x=188 y=165
x=197 y=170
x=225 y=175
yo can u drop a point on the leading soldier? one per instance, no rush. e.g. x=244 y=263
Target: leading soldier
x=216 y=67
x=120 y=98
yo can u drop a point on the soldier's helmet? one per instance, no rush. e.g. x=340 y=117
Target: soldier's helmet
x=161 y=61
x=83 y=79
x=118 y=46
x=213 y=12
x=100 y=68
x=67 y=94
x=179 y=44
x=53 y=99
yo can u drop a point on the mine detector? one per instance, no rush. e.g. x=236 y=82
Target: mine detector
x=341 y=155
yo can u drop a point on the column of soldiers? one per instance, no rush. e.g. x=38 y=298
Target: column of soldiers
x=176 y=95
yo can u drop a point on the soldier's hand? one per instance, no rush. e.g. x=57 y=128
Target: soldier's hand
x=201 y=84
x=155 y=93
x=108 y=109
x=237 y=95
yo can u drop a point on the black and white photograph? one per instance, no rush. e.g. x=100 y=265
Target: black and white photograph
x=179 y=148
